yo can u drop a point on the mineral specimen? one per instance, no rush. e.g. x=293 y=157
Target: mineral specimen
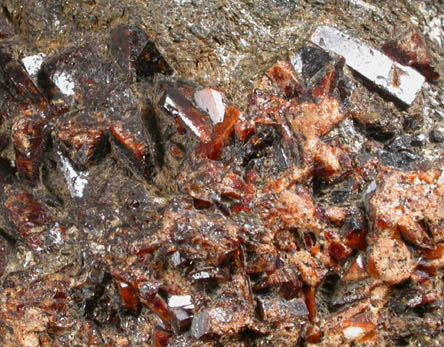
x=258 y=194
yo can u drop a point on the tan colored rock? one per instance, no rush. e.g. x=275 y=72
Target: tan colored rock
x=390 y=260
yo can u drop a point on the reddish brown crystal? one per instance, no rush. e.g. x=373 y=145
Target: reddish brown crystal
x=356 y=271
x=177 y=105
x=331 y=162
x=226 y=315
x=82 y=137
x=126 y=44
x=233 y=186
x=310 y=302
x=243 y=128
x=286 y=79
x=29 y=137
x=186 y=235
x=158 y=306
x=434 y=253
x=326 y=86
x=81 y=76
x=201 y=235
x=312 y=334
x=221 y=134
x=136 y=149
x=161 y=337
x=32 y=220
x=129 y=296
x=268 y=109
x=150 y=62
x=20 y=83
x=354 y=233
x=358 y=326
x=315 y=119
x=286 y=278
x=336 y=248
x=409 y=49
x=280 y=310
x=425 y=289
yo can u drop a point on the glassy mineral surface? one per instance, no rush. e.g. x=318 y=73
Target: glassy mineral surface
x=221 y=173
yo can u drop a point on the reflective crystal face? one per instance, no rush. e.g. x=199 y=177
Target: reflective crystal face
x=221 y=173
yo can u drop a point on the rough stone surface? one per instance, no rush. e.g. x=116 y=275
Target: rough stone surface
x=198 y=173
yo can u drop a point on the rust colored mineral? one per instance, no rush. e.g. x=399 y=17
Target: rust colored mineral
x=233 y=173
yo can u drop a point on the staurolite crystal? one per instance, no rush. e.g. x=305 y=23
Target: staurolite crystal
x=29 y=135
x=19 y=83
x=409 y=49
x=166 y=181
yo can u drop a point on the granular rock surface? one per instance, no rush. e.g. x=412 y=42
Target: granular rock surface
x=205 y=173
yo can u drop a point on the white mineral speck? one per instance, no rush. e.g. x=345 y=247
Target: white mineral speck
x=435 y=31
x=56 y=234
x=353 y=332
x=183 y=301
x=64 y=82
x=33 y=63
x=76 y=181
x=29 y=259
